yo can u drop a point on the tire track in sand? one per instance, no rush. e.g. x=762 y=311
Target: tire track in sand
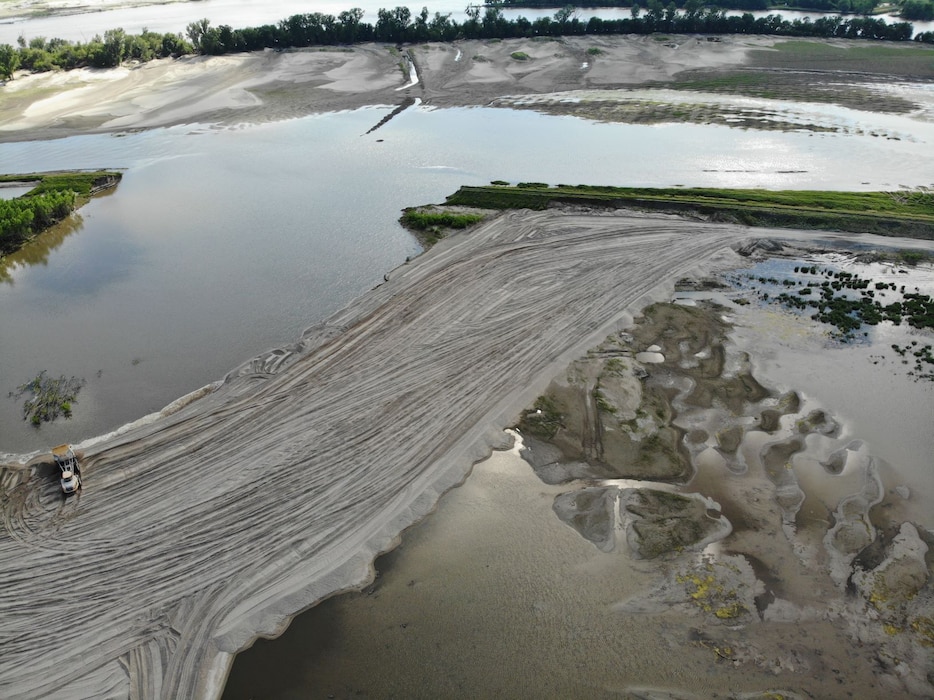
x=215 y=524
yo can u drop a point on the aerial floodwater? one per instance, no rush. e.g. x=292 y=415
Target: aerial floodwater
x=288 y=406
x=173 y=282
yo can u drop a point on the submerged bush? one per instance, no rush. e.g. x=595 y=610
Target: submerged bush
x=50 y=397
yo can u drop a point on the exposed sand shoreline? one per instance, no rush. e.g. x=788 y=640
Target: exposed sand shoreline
x=568 y=75
x=215 y=524
x=494 y=584
x=270 y=85
x=337 y=447
x=29 y=8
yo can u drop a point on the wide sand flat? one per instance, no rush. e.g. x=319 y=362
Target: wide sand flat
x=272 y=85
x=218 y=522
x=214 y=524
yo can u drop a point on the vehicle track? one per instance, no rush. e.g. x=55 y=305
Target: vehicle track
x=215 y=524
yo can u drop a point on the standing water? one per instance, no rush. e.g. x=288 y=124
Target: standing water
x=221 y=243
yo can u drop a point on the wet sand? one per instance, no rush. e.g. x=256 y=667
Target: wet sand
x=493 y=596
x=214 y=524
x=506 y=590
x=588 y=76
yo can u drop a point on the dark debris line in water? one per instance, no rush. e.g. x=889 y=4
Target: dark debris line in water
x=849 y=304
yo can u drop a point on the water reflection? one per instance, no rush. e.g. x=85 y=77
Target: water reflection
x=13 y=190
x=100 y=264
x=38 y=250
x=220 y=243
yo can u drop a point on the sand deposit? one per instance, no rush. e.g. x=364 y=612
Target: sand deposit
x=786 y=562
x=593 y=77
x=219 y=520
x=214 y=524
x=272 y=85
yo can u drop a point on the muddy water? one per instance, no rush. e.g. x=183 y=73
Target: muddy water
x=865 y=385
x=493 y=596
x=13 y=191
x=220 y=243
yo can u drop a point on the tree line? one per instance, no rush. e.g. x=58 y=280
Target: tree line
x=921 y=10
x=910 y=9
x=40 y=54
x=54 y=197
x=399 y=26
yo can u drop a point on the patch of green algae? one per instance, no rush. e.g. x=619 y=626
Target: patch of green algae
x=708 y=593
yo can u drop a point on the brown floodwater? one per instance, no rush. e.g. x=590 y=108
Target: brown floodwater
x=493 y=596
x=169 y=283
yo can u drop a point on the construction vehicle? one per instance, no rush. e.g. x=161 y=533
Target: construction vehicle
x=67 y=462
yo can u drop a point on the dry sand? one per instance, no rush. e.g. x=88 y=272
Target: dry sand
x=213 y=525
x=274 y=85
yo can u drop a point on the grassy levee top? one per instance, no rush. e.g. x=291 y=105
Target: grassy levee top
x=901 y=213
x=53 y=197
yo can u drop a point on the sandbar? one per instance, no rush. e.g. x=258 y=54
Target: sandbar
x=273 y=85
x=277 y=487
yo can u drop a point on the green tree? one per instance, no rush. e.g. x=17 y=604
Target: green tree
x=922 y=10
x=565 y=14
x=350 y=24
x=420 y=26
x=196 y=32
x=115 y=48
x=9 y=61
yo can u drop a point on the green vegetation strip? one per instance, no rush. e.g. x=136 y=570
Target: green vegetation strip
x=54 y=197
x=430 y=226
x=423 y=221
x=902 y=213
